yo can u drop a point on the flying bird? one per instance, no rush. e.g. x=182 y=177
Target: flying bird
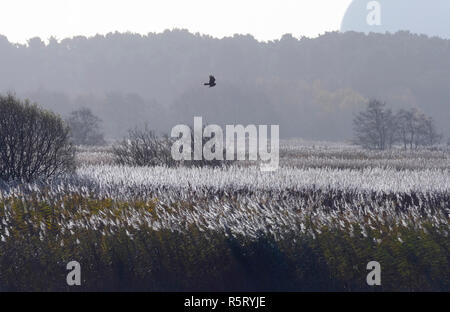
x=212 y=81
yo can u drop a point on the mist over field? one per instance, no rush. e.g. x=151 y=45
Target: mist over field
x=310 y=87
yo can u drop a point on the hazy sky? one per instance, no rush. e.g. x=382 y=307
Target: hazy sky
x=264 y=19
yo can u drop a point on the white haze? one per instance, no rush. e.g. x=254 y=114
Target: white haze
x=264 y=19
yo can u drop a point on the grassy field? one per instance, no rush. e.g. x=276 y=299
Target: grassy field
x=312 y=225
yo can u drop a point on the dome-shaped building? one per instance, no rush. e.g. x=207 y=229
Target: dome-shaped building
x=427 y=17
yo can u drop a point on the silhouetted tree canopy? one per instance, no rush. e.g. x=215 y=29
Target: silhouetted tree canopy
x=34 y=143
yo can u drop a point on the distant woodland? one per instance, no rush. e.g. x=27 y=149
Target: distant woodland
x=312 y=88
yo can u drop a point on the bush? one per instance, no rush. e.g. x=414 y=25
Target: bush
x=143 y=147
x=34 y=143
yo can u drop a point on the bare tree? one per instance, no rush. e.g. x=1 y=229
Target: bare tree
x=34 y=143
x=85 y=127
x=142 y=147
x=409 y=124
x=416 y=129
x=403 y=118
x=428 y=133
x=375 y=127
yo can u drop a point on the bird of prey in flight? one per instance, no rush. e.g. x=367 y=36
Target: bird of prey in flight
x=212 y=81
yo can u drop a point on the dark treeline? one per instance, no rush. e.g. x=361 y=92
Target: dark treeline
x=311 y=87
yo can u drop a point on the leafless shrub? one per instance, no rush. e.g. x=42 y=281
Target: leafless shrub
x=142 y=147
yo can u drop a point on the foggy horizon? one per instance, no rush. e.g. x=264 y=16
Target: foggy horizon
x=129 y=79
